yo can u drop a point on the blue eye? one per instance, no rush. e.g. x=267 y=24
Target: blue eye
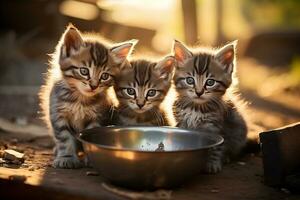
x=105 y=76
x=210 y=82
x=190 y=80
x=130 y=91
x=84 y=71
x=151 y=93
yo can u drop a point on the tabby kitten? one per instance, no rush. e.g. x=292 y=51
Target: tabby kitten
x=75 y=94
x=202 y=81
x=141 y=87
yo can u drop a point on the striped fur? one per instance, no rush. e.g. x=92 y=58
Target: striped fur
x=75 y=95
x=141 y=87
x=202 y=81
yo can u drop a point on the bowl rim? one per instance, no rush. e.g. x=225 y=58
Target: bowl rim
x=219 y=139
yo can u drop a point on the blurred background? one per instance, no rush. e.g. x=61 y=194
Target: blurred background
x=268 y=51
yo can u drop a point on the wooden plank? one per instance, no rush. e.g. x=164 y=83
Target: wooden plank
x=280 y=148
x=220 y=19
x=189 y=10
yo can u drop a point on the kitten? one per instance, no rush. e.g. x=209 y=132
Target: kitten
x=202 y=81
x=140 y=88
x=75 y=94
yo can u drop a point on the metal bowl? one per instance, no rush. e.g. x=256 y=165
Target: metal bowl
x=147 y=157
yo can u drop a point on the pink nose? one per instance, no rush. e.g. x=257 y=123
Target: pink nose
x=199 y=93
x=140 y=105
x=93 y=87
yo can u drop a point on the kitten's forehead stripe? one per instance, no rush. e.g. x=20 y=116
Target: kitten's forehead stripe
x=135 y=73
x=147 y=76
x=205 y=66
x=99 y=54
x=196 y=65
x=149 y=72
x=142 y=72
x=201 y=64
x=92 y=53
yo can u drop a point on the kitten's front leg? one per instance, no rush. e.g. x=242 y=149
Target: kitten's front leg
x=66 y=148
x=89 y=126
x=215 y=154
x=214 y=161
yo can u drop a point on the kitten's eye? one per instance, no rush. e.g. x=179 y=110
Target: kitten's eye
x=84 y=71
x=105 y=76
x=130 y=91
x=210 y=82
x=190 y=80
x=151 y=93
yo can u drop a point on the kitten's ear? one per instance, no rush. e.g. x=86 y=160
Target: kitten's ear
x=166 y=67
x=181 y=52
x=122 y=51
x=226 y=55
x=72 y=39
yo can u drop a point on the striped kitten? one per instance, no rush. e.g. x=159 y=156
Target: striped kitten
x=75 y=94
x=140 y=88
x=202 y=80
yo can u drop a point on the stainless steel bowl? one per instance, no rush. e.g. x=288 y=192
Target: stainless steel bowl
x=147 y=157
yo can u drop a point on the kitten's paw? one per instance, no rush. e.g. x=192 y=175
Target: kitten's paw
x=67 y=162
x=213 y=167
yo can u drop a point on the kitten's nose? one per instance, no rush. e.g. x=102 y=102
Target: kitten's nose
x=140 y=105
x=199 y=93
x=140 y=102
x=93 y=87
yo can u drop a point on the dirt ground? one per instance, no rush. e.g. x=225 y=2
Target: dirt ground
x=242 y=179
x=272 y=104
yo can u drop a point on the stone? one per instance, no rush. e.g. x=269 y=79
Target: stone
x=13 y=156
x=2 y=161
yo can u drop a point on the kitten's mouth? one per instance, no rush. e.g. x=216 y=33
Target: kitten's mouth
x=199 y=99
x=140 y=110
x=90 y=92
